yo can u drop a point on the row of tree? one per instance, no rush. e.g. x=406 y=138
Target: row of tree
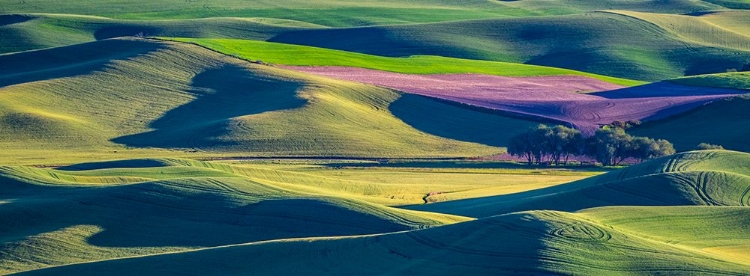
x=609 y=145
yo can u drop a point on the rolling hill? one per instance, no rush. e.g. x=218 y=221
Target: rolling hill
x=22 y=32
x=56 y=217
x=178 y=97
x=334 y=137
x=110 y=207
x=604 y=43
x=710 y=178
x=538 y=242
x=721 y=122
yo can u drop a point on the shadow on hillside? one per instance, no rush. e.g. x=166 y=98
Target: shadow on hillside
x=125 y=30
x=68 y=61
x=457 y=121
x=221 y=94
x=663 y=189
x=666 y=89
x=117 y=164
x=174 y=214
x=9 y=19
x=463 y=164
x=360 y=40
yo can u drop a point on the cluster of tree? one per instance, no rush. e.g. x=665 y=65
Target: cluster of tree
x=625 y=124
x=707 y=146
x=609 y=145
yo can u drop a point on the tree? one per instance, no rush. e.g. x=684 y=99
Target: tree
x=563 y=141
x=610 y=145
x=643 y=148
x=542 y=141
x=665 y=148
x=707 y=146
x=520 y=145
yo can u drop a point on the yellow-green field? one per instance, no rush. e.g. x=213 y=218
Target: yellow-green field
x=166 y=138
x=336 y=217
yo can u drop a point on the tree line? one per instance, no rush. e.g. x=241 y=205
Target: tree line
x=609 y=145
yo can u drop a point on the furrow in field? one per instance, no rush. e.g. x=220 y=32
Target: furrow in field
x=584 y=102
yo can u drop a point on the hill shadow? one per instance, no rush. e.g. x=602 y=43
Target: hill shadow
x=9 y=19
x=460 y=121
x=116 y=164
x=69 y=61
x=220 y=95
x=199 y=213
x=666 y=89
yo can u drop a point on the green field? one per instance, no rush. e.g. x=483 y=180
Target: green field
x=604 y=43
x=286 y=54
x=167 y=138
x=172 y=111
x=252 y=202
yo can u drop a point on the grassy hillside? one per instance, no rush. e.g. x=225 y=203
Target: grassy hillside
x=656 y=6
x=329 y=12
x=735 y=80
x=600 y=42
x=117 y=97
x=116 y=212
x=287 y=54
x=736 y=20
x=539 y=242
x=722 y=122
x=695 y=29
x=103 y=210
x=347 y=13
x=718 y=231
x=37 y=31
x=711 y=178
x=259 y=208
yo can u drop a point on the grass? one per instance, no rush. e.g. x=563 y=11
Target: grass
x=599 y=42
x=287 y=54
x=723 y=122
x=694 y=178
x=695 y=29
x=735 y=20
x=111 y=208
x=735 y=80
x=691 y=226
x=99 y=140
x=527 y=243
x=329 y=13
x=259 y=207
x=38 y=31
x=76 y=106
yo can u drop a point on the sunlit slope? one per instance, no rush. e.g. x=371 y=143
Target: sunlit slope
x=696 y=30
x=348 y=13
x=299 y=55
x=579 y=6
x=56 y=217
x=142 y=93
x=736 y=20
x=708 y=178
x=599 y=42
x=537 y=242
x=402 y=186
x=37 y=31
x=719 y=231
